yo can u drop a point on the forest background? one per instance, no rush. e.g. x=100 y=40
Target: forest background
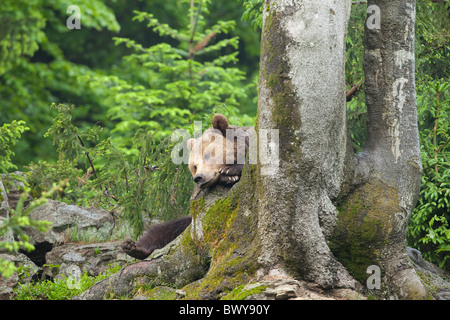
x=95 y=107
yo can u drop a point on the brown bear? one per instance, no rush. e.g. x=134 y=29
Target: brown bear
x=216 y=157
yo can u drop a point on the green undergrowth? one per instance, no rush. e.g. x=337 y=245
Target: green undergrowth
x=61 y=289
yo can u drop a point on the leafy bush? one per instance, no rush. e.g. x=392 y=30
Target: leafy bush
x=17 y=219
x=10 y=133
x=145 y=182
x=38 y=65
x=16 y=223
x=165 y=86
x=429 y=229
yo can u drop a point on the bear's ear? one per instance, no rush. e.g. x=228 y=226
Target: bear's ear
x=190 y=144
x=220 y=122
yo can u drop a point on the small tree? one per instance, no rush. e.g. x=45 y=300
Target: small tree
x=178 y=80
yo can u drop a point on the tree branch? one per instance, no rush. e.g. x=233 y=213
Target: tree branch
x=353 y=90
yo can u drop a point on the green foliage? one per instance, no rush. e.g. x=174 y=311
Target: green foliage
x=16 y=222
x=147 y=183
x=354 y=75
x=17 y=219
x=9 y=135
x=34 y=71
x=62 y=288
x=253 y=12
x=166 y=85
x=20 y=31
x=44 y=62
x=429 y=229
x=143 y=182
x=432 y=40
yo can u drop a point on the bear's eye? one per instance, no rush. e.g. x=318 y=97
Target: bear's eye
x=195 y=168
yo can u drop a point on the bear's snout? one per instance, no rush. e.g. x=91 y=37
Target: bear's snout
x=198 y=178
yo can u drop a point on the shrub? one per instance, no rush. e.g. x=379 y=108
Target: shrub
x=429 y=226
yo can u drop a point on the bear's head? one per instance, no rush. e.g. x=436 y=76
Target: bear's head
x=213 y=156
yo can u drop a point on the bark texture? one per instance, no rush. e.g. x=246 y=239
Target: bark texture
x=301 y=95
x=374 y=216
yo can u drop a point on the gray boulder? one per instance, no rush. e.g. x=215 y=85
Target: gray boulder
x=27 y=270
x=87 y=222
x=14 y=183
x=4 y=213
x=92 y=259
x=68 y=221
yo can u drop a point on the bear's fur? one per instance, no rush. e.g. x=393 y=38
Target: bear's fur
x=208 y=165
x=218 y=156
x=156 y=237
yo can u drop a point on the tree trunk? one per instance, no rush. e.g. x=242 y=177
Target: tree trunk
x=319 y=213
x=301 y=95
x=374 y=216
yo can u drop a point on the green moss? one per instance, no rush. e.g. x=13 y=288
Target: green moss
x=218 y=219
x=196 y=207
x=229 y=234
x=241 y=292
x=364 y=227
x=160 y=293
x=189 y=246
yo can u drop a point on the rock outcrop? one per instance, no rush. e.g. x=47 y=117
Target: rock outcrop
x=78 y=239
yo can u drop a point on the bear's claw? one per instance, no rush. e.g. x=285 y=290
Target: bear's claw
x=232 y=169
x=230 y=174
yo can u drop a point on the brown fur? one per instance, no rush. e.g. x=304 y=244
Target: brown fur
x=156 y=237
x=215 y=139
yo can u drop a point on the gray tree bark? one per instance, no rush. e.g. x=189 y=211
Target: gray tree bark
x=324 y=209
x=389 y=167
x=301 y=85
